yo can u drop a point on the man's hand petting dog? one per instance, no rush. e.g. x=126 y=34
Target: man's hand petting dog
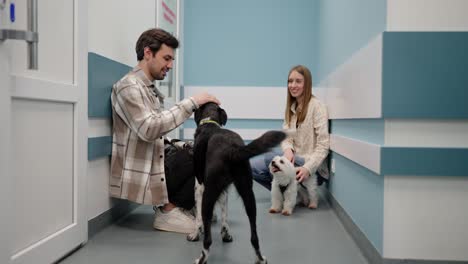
x=204 y=97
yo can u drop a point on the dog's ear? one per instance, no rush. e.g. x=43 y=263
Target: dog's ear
x=222 y=116
x=198 y=115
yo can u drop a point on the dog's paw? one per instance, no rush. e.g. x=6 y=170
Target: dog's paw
x=261 y=261
x=313 y=205
x=195 y=235
x=199 y=261
x=273 y=211
x=202 y=259
x=225 y=234
x=286 y=212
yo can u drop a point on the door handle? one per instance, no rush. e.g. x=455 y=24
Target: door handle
x=31 y=36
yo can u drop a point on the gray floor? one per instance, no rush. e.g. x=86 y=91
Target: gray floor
x=308 y=236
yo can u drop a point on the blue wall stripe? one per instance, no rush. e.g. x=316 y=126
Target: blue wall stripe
x=99 y=147
x=102 y=74
x=425 y=75
x=369 y=130
x=360 y=192
x=257 y=50
x=424 y=161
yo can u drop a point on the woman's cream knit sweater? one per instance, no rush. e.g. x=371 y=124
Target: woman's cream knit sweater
x=310 y=139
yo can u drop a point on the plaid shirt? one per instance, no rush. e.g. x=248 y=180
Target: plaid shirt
x=139 y=124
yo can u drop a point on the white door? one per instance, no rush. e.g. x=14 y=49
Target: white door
x=45 y=111
x=6 y=183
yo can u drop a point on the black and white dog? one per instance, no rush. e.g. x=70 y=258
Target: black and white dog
x=222 y=158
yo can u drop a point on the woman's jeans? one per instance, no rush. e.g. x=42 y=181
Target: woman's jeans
x=261 y=172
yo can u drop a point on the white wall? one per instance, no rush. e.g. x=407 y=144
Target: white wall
x=363 y=153
x=114 y=27
x=427 y=15
x=244 y=103
x=347 y=93
x=98 y=172
x=425 y=217
x=426 y=133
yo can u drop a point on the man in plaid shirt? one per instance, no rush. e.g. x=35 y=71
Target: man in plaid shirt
x=139 y=124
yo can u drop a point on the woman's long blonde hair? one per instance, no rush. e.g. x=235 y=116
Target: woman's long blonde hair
x=303 y=105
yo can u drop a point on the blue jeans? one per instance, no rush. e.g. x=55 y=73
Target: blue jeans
x=261 y=172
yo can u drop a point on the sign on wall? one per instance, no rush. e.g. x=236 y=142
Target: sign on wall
x=167 y=15
x=167 y=19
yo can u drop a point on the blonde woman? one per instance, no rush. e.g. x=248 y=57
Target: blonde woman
x=308 y=147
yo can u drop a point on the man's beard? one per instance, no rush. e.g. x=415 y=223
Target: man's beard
x=159 y=77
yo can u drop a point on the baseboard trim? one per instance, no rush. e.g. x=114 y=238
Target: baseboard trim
x=121 y=208
x=366 y=247
x=417 y=261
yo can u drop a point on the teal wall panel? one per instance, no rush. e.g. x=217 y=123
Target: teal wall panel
x=99 y=147
x=424 y=161
x=425 y=75
x=102 y=74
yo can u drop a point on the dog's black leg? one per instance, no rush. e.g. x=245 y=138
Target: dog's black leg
x=248 y=197
x=210 y=196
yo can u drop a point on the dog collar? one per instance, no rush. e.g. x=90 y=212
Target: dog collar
x=208 y=121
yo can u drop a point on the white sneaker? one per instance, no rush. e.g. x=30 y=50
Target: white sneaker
x=177 y=220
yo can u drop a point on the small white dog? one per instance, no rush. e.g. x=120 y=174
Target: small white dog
x=285 y=190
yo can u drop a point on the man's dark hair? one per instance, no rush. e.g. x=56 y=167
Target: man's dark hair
x=153 y=38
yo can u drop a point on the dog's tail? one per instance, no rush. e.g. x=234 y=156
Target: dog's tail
x=258 y=146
